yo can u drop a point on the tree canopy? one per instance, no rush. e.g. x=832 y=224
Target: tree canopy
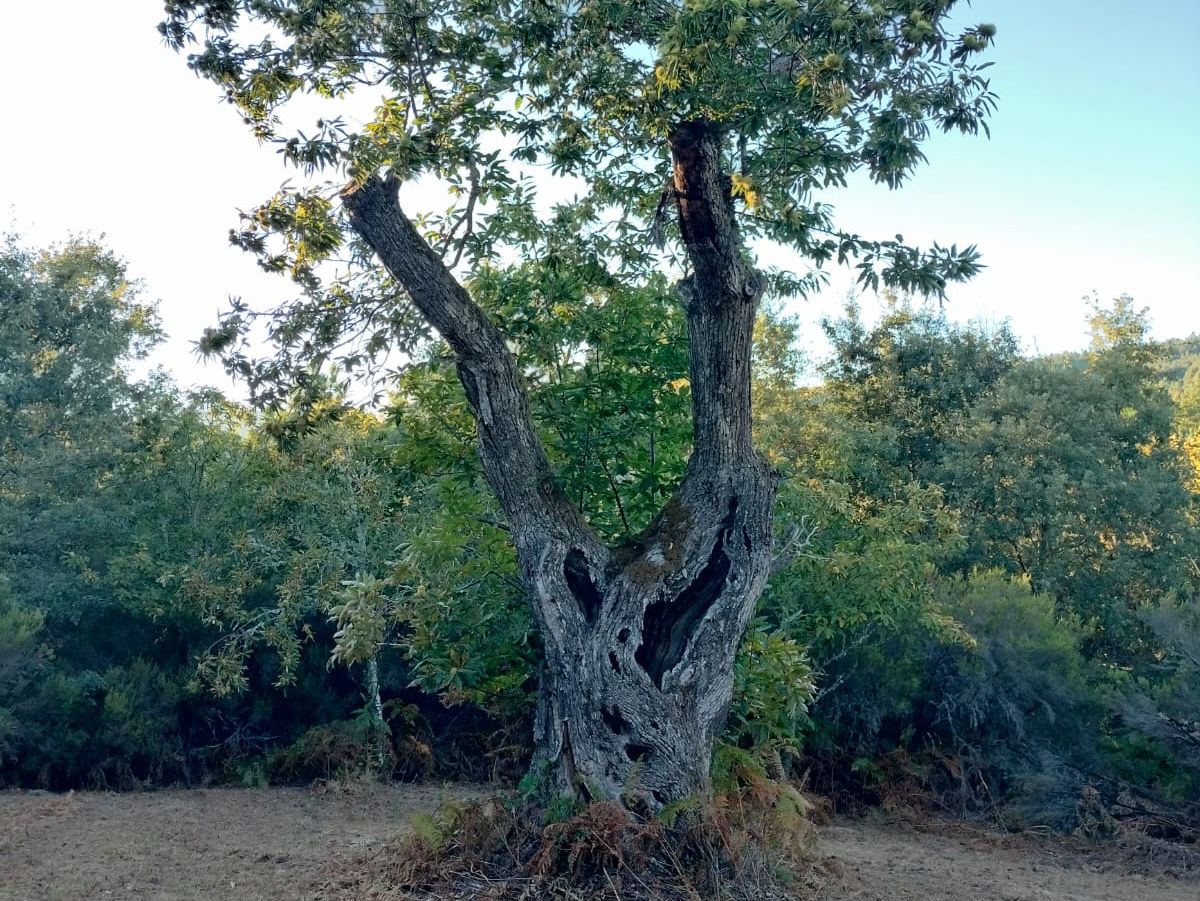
x=71 y=324
x=476 y=101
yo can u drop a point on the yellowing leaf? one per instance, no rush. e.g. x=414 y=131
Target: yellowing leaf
x=679 y=384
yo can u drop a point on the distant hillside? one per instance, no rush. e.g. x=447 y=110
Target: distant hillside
x=1181 y=354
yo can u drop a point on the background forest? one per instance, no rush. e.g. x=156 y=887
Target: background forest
x=986 y=594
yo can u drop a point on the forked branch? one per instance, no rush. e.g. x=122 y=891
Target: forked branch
x=513 y=458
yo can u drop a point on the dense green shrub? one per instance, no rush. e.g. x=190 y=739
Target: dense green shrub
x=968 y=714
x=1015 y=700
x=139 y=726
x=21 y=664
x=341 y=749
x=1156 y=730
x=773 y=686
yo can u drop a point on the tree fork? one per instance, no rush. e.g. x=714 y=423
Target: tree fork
x=640 y=640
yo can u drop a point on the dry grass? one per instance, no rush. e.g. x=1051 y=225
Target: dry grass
x=345 y=842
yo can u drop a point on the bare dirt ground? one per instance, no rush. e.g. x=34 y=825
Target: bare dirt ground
x=955 y=861
x=275 y=844
x=192 y=845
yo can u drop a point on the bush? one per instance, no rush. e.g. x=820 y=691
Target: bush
x=58 y=718
x=773 y=685
x=338 y=750
x=1155 y=740
x=985 y=715
x=139 y=732
x=1017 y=702
x=21 y=665
x=745 y=845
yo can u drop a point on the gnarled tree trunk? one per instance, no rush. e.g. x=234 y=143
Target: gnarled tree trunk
x=640 y=640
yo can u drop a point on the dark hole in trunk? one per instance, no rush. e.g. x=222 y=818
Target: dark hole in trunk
x=616 y=723
x=636 y=752
x=639 y=808
x=614 y=662
x=579 y=580
x=668 y=625
x=623 y=636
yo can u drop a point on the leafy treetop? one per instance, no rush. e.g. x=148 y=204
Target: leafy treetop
x=477 y=95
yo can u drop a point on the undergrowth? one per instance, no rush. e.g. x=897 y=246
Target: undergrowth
x=749 y=844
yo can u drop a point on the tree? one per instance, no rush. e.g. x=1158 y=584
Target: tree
x=342 y=530
x=71 y=322
x=916 y=374
x=1067 y=474
x=1187 y=421
x=711 y=121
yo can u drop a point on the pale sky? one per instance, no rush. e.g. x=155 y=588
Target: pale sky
x=1091 y=181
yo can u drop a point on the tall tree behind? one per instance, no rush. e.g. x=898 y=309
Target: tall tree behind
x=1068 y=475
x=1188 y=421
x=916 y=374
x=71 y=322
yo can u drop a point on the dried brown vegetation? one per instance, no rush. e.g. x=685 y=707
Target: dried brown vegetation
x=749 y=844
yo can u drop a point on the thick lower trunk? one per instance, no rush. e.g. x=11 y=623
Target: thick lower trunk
x=637 y=690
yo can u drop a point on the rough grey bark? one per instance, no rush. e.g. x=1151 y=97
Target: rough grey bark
x=640 y=640
x=379 y=727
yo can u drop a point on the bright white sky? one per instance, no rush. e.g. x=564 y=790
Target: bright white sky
x=1090 y=183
